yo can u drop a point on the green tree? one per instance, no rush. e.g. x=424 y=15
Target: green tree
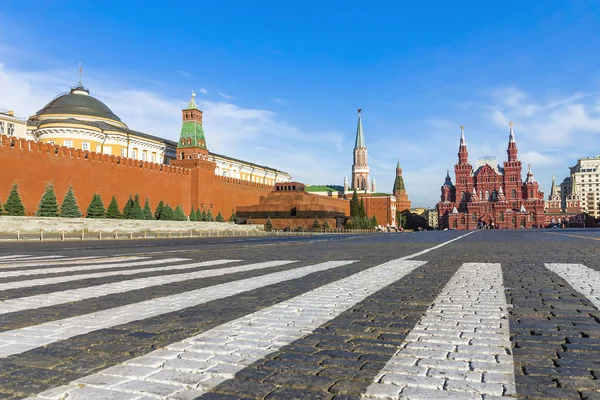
x=401 y=219
x=316 y=223
x=219 y=217
x=1 y=208
x=136 y=211
x=203 y=216
x=354 y=205
x=179 y=215
x=374 y=222
x=148 y=211
x=127 y=208
x=96 y=207
x=198 y=215
x=209 y=216
x=325 y=224
x=193 y=214
x=167 y=213
x=113 y=209
x=69 y=207
x=268 y=224
x=14 y=205
x=48 y=206
x=159 y=209
x=361 y=209
x=232 y=217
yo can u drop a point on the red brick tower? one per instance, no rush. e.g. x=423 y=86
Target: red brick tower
x=463 y=172
x=360 y=166
x=512 y=172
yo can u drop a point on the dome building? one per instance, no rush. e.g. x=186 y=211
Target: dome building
x=77 y=119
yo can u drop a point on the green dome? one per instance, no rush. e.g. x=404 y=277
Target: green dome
x=78 y=102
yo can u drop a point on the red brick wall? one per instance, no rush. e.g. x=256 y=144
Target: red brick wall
x=32 y=165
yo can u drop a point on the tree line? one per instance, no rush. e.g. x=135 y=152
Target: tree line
x=49 y=207
x=358 y=215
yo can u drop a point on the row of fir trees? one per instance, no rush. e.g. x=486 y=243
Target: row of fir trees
x=49 y=207
x=358 y=215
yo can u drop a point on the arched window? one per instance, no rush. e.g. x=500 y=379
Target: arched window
x=481 y=194
x=501 y=217
x=487 y=194
x=531 y=194
x=225 y=173
x=513 y=194
x=474 y=218
x=462 y=220
x=494 y=195
x=454 y=225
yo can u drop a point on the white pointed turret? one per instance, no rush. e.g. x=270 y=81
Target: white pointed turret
x=373 y=185
x=511 y=136
x=454 y=210
x=345 y=183
x=530 y=179
x=463 y=141
x=522 y=209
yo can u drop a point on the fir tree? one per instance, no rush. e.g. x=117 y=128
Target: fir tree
x=316 y=224
x=354 y=206
x=167 y=213
x=361 y=209
x=209 y=216
x=127 y=208
x=69 y=207
x=159 y=209
x=136 y=211
x=113 y=209
x=374 y=222
x=148 y=211
x=14 y=205
x=193 y=214
x=203 y=218
x=96 y=207
x=219 y=217
x=179 y=215
x=1 y=208
x=198 y=215
x=325 y=224
x=232 y=217
x=268 y=224
x=48 y=206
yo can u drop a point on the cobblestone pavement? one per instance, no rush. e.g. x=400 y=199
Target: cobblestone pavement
x=426 y=315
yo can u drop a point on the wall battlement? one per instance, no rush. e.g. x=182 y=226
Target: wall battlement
x=13 y=144
x=236 y=181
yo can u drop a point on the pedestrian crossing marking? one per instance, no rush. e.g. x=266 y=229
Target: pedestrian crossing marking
x=20 y=340
x=70 y=261
x=230 y=347
x=581 y=278
x=461 y=344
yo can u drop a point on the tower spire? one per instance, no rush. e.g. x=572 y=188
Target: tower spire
x=463 y=142
x=512 y=145
x=553 y=187
x=463 y=155
x=360 y=137
x=511 y=137
x=80 y=74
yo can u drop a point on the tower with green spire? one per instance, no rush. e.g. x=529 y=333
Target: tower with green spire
x=192 y=142
x=360 y=167
x=402 y=202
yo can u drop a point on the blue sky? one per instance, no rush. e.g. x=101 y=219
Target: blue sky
x=280 y=83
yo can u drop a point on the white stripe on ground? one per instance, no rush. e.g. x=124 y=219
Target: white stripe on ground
x=68 y=296
x=69 y=261
x=70 y=278
x=195 y=365
x=13 y=256
x=583 y=279
x=20 y=340
x=460 y=349
x=420 y=253
x=77 y=268
x=39 y=258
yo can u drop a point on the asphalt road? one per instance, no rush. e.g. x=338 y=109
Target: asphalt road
x=424 y=315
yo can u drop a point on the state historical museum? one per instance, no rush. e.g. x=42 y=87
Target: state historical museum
x=490 y=196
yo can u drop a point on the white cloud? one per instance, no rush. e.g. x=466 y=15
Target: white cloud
x=203 y=90
x=278 y=100
x=226 y=96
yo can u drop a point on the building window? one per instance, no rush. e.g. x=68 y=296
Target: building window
x=487 y=194
x=123 y=152
x=85 y=146
x=513 y=194
x=1 y=128
x=11 y=129
x=144 y=155
x=134 y=154
x=153 y=157
x=98 y=148
x=68 y=143
x=107 y=150
x=474 y=218
x=501 y=217
x=225 y=173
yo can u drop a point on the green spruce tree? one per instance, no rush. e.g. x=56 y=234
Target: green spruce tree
x=179 y=215
x=136 y=209
x=193 y=215
x=209 y=216
x=69 y=207
x=325 y=224
x=219 y=217
x=361 y=209
x=167 y=213
x=1 y=208
x=198 y=215
x=96 y=207
x=374 y=222
x=48 y=206
x=127 y=208
x=148 y=211
x=14 y=205
x=354 y=205
x=159 y=209
x=232 y=217
x=203 y=216
x=316 y=223
x=268 y=224
x=113 y=209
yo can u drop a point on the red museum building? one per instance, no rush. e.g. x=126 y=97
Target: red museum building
x=490 y=195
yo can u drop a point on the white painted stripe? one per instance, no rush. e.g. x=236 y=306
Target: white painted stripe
x=78 y=266
x=460 y=348
x=420 y=253
x=68 y=261
x=210 y=358
x=69 y=278
x=69 y=296
x=583 y=279
x=21 y=340
x=40 y=258
x=13 y=256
